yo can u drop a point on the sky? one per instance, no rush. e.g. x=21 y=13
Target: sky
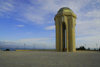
x=30 y=23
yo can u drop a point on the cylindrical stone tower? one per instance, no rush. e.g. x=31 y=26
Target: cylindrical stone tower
x=65 y=21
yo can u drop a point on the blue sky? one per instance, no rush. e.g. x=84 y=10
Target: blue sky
x=32 y=22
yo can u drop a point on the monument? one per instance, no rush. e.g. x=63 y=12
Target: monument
x=65 y=21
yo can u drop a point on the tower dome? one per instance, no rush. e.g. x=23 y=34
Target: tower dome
x=65 y=9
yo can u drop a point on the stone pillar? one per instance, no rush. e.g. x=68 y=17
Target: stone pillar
x=67 y=40
x=57 y=35
x=65 y=19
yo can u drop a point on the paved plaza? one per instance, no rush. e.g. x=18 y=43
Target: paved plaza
x=49 y=59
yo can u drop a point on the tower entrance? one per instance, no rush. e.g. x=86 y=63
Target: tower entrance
x=64 y=37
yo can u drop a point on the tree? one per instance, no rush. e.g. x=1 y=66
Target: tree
x=99 y=49
x=7 y=50
x=81 y=48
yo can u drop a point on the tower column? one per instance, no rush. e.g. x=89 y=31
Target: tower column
x=57 y=35
x=71 y=34
x=67 y=40
x=70 y=38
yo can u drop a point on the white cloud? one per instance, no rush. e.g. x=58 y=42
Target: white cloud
x=50 y=27
x=10 y=44
x=6 y=6
x=54 y=5
x=34 y=40
x=88 y=27
x=87 y=32
x=94 y=14
x=38 y=11
x=39 y=14
x=88 y=41
x=20 y=25
x=38 y=42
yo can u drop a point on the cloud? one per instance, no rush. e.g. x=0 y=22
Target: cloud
x=39 y=11
x=10 y=44
x=6 y=6
x=39 y=42
x=34 y=40
x=20 y=25
x=87 y=32
x=93 y=14
x=54 y=5
x=46 y=42
x=88 y=41
x=34 y=43
x=50 y=27
x=88 y=27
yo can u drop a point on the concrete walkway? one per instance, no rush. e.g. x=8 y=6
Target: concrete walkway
x=49 y=59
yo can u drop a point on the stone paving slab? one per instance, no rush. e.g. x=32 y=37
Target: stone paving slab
x=49 y=59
